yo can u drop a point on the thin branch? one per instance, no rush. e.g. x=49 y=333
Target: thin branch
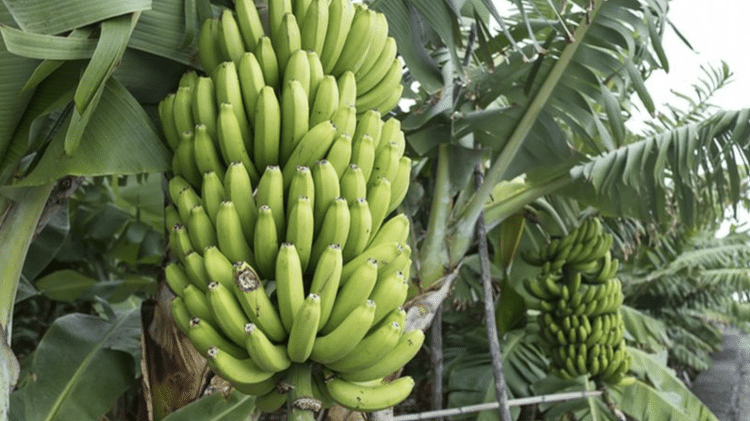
x=489 y=315
x=470 y=409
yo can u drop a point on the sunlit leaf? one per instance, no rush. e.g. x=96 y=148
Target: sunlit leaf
x=35 y=15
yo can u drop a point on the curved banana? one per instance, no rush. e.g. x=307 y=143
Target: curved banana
x=295 y=115
x=206 y=157
x=326 y=182
x=276 y=11
x=290 y=288
x=255 y=302
x=228 y=226
x=176 y=277
x=203 y=105
x=314 y=26
x=369 y=79
x=340 y=153
x=266 y=242
x=208 y=45
x=389 y=293
x=287 y=40
x=227 y=312
x=182 y=109
x=200 y=228
x=197 y=303
x=379 y=198
x=267 y=59
x=376 y=345
x=180 y=314
x=358 y=41
x=252 y=80
x=326 y=279
x=270 y=401
x=204 y=336
x=266 y=355
x=353 y=183
x=340 y=16
x=302 y=184
x=407 y=348
x=298 y=68
x=384 y=252
x=249 y=22
x=183 y=160
x=213 y=194
x=342 y=340
x=316 y=75
x=271 y=193
x=333 y=230
x=310 y=149
x=240 y=372
x=305 y=327
x=230 y=41
x=378 y=39
x=395 y=229
x=175 y=187
x=196 y=270
x=218 y=267
x=359 y=229
x=238 y=187
x=345 y=120
x=400 y=184
x=347 y=84
x=369 y=398
x=326 y=100
x=299 y=230
x=231 y=143
x=267 y=129
x=352 y=294
x=228 y=89
x=179 y=242
x=383 y=92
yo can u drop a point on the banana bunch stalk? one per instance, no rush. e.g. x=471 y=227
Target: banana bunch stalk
x=290 y=265
x=579 y=298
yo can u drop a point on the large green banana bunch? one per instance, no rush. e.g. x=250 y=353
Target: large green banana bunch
x=579 y=299
x=285 y=182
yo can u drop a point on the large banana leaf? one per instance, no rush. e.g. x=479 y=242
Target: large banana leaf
x=81 y=366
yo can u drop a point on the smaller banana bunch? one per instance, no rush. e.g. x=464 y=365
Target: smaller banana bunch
x=579 y=298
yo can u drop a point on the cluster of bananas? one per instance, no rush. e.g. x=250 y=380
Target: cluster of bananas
x=579 y=299
x=285 y=177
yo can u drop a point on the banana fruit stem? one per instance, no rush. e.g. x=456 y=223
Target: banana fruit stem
x=433 y=253
x=17 y=229
x=304 y=405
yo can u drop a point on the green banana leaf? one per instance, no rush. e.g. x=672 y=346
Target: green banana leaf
x=81 y=366
x=216 y=407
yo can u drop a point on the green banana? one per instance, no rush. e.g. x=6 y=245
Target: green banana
x=340 y=153
x=345 y=119
x=276 y=11
x=325 y=102
x=228 y=227
x=232 y=145
x=326 y=183
x=182 y=109
x=295 y=115
x=389 y=293
x=379 y=198
x=299 y=230
x=395 y=229
x=180 y=314
x=333 y=230
x=208 y=47
x=228 y=89
x=347 y=84
x=298 y=68
x=302 y=184
x=206 y=157
x=271 y=193
x=369 y=78
x=267 y=60
x=270 y=401
x=203 y=105
x=340 y=16
x=200 y=229
x=196 y=270
x=376 y=345
x=266 y=242
x=204 y=336
x=183 y=160
x=252 y=80
x=400 y=184
x=357 y=42
x=255 y=302
x=314 y=26
x=176 y=277
x=290 y=288
x=230 y=41
x=175 y=187
x=407 y=348
x=384 y=252
x=360 y=226
x=266 y=355
x=326 y=279
x=218 y=267
x=287 y=40
x=369 y=398
x=310 y=149
x=352 y=294
x=267 y=129
x=238 y=187
x=342 y=340
x=305 y=326
x=353 y=184
x=378 y=40
x=240 y=372
x=249 y=22
x=227 y=312
x=316 y=75
x=383 y=92
x=213 y=194
x=197 y=303
x=385 y=163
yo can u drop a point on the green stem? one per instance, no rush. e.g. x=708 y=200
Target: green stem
x=433 y=252
x=469 y=216
x=300 y=379
x=17 y=228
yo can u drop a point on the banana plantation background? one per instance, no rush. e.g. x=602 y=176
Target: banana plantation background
x=517 y=121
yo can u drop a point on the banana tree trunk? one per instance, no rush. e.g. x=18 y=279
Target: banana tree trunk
x=17 y=228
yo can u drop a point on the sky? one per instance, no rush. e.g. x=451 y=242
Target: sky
x=717 y=32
